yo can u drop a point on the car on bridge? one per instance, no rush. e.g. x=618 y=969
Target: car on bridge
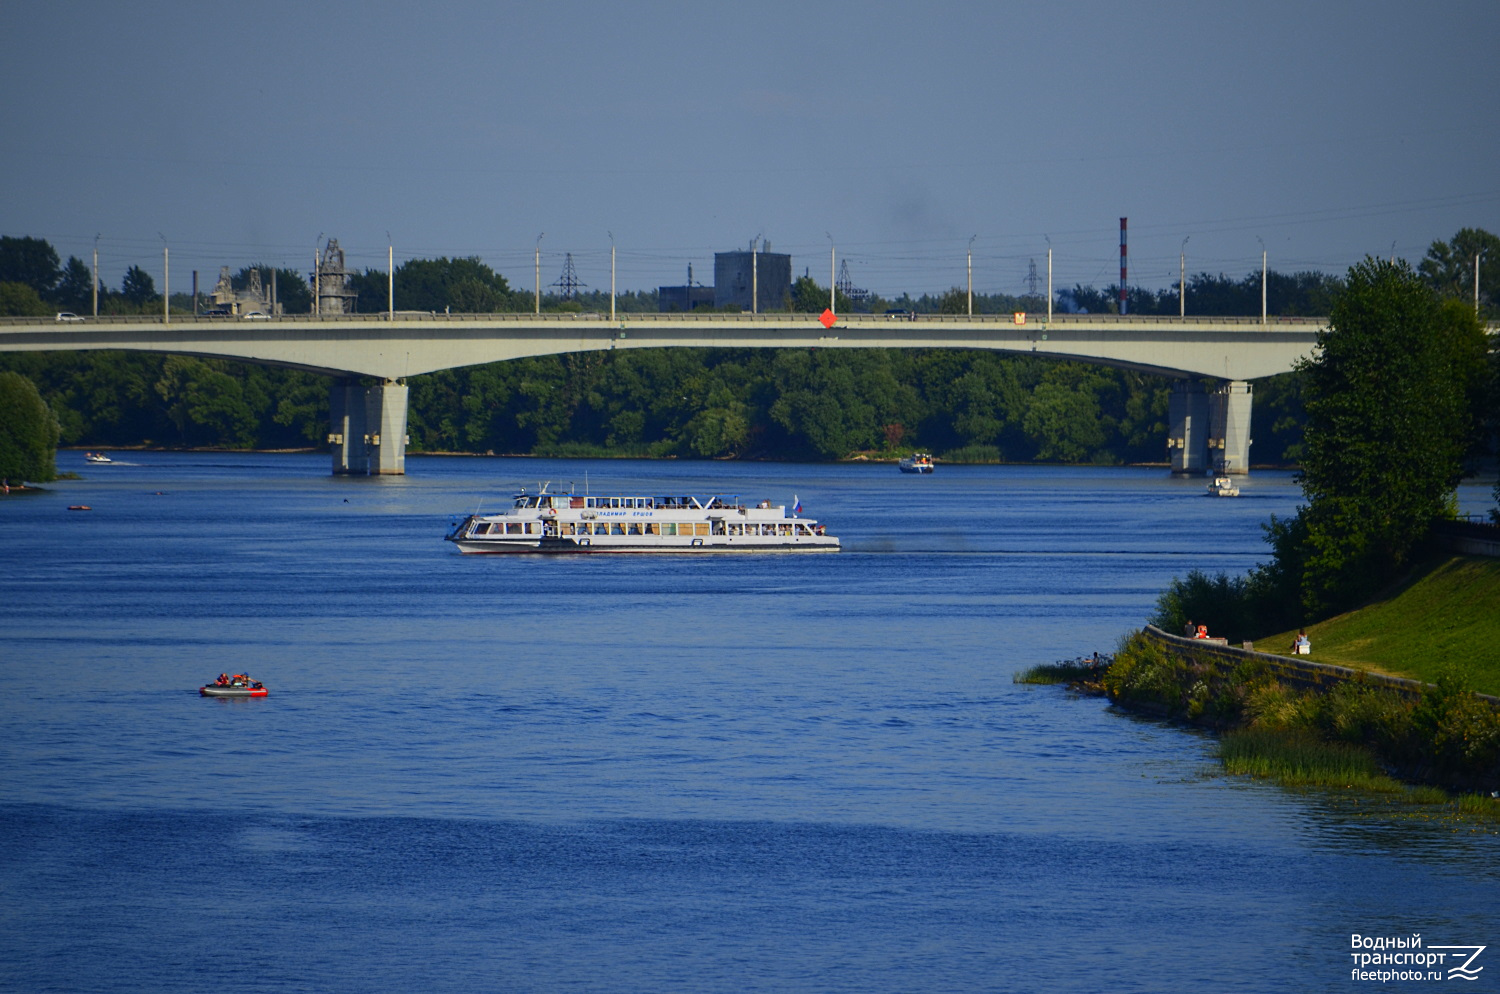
x=67 y=316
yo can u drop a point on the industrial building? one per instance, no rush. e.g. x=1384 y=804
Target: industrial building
x=767 y=274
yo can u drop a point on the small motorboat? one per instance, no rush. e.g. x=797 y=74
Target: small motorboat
x=239 y=685
x=1223 y=486
x=97 y=457
x=917 y=462
x=79 y=507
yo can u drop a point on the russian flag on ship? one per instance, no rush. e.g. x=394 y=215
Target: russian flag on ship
x=796 y=505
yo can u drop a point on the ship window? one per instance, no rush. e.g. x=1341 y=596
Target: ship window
x=702 y=527
x=652 y=528
x=718 y=527
x=669 y=528
x=616 y=528
x=565 y=528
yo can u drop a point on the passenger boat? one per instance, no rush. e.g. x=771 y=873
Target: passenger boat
x=1223 y=486
x=574 y=522
x=917 y=462
x=97 y=457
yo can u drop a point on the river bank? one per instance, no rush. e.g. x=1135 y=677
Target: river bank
x=1309 y=724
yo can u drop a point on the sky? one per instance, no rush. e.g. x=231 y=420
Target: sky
x=900 y=137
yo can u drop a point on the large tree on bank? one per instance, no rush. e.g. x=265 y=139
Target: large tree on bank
x=28 y=432
x=1391 y=396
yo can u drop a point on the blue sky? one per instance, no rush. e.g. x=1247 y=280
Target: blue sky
x=896 y=132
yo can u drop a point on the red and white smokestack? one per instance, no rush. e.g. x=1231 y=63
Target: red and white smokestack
x=1122 y=265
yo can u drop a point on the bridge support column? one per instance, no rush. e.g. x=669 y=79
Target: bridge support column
x=1188 y=430
x=1229 y=432
x=367 y=430
x=385 y=414
x=346 y=428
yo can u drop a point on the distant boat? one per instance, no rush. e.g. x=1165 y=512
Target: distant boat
x=1223 y=486
x=97 y=457
x=917 y=462
x=238 y=685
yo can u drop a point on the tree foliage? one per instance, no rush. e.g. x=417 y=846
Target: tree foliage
x=1392 y=392
x=28 y=432
x=32 y=261
x=138 y=287
x=1449 y=267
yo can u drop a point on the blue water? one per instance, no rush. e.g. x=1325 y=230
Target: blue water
x=777 y=773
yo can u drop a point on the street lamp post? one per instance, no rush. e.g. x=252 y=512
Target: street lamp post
x=539 y=271
x=611 y=274
x=832 y=278
x=1476 y=281
x=1262 y=279
x=166 y=283
x=970 y=266
x=1182 y=281
x=96 y=274
x=1049 y=279
x=755 y=275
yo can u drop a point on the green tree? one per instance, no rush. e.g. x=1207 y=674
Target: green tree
x=75 y=290
x=19 y=300
x=1391 y=389
x=28 y=432
x=32 y=261
x=138 y=287
x=1449 y=267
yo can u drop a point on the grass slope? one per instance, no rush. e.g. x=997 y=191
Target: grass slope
x=1449 y=613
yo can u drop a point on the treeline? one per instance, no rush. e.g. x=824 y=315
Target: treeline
x=813 y=404
x=691 y=403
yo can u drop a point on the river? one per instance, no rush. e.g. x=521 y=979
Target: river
x=638 y=773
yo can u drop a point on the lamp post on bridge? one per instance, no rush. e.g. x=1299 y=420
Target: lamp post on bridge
x=832 y=277
x=1049 y=278
x=166 y=282
x=1262 y=279
x=390 y=277
x=970 y=266
x=96 y=275
x=539 y=271
x=611 y=235
x=1182 y=280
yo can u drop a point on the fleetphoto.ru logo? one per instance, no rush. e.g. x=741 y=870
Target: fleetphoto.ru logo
x=1388 y=958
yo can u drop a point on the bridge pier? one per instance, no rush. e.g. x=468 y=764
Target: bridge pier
x=1187 y=433
x=1229 y=428
x=367 y=430
x=1209 y=432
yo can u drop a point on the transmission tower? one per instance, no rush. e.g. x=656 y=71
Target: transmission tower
x=845 y=285
x=1032 y=280
x=568 y=283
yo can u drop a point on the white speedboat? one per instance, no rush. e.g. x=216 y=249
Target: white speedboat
x=97 y=457
x=1223 y=486
x=917 y=462
x=573 y=522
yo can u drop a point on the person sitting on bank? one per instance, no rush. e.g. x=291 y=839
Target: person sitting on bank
x=1302 y=645
x=1201 y=633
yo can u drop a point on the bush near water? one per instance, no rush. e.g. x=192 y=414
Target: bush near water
x=1447 y=734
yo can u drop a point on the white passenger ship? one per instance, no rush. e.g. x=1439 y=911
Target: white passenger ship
x=572 y=522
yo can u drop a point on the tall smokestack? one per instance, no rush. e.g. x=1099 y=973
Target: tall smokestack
x=1122 y=265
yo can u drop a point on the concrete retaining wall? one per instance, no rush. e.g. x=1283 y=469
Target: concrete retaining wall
x=1289 y=670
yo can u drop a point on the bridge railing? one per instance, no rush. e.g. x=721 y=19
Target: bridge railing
x=676 y=317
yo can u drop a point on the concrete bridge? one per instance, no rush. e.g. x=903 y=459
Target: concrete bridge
x=1210 y=425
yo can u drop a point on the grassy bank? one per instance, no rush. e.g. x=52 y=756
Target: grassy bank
x=1352 y=736
x=1448 y=614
